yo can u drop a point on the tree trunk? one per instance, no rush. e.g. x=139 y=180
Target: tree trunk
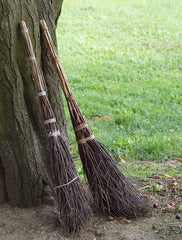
x=24 y=156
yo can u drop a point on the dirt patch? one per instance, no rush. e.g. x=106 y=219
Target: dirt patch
x=42 y=223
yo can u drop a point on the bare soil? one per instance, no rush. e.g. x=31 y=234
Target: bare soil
x=42 y=222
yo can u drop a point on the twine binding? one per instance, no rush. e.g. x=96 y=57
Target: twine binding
x=57 y=60
x=40 y=94
x=31 y=58
x=24 y=30
x=66 y=184
x=84 y=140
x=51 y=120
x=69 y=98
x=81 y=126
x=44 y=28
x=54 y=134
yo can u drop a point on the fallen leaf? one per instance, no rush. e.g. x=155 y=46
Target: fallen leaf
x=144 y=187
x=171 y=130
x=168 y=176
x=121 y=160
x=159 y=188
x=125 y=220
x=98 y=119
x=108 y=117
x=168 y=209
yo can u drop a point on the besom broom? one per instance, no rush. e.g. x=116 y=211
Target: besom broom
x=73 y=206
x=112 y=191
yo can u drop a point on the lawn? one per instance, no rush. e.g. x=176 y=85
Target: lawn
x=123 y=60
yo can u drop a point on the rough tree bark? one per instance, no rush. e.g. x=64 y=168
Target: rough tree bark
x=24 y=178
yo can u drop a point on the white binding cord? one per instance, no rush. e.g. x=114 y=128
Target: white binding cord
x=66 y=184
x=31 y=58
x=54 y=134
x=40 y=94
x=24 y=30
x=51 y=120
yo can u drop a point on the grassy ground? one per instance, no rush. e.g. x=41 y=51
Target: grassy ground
x=123 y=60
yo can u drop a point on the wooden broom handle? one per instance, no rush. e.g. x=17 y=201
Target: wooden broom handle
x=55 y=59
x=31 y=56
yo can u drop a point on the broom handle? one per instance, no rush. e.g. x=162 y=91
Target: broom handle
x=31 y=55
x=55 y=59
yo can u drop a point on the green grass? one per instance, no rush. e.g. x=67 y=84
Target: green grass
x=123 y=60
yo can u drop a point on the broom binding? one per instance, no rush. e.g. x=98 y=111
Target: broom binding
x=81 y=126
x=50 y=120
x=54 y=134
x=31 y=58
x=70 y=98
x=25 y=30
x=85 y=140
x=40 y=94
